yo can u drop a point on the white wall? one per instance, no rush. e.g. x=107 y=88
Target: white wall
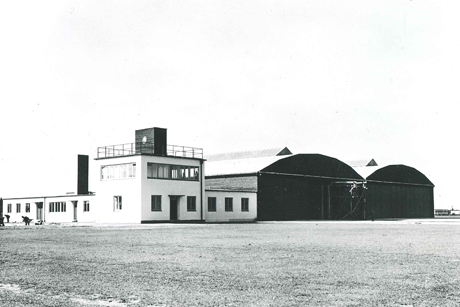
x=167 y=187
x=51 y=217
x=220 y=215
x=68 y=215
x=128 y=188
x=16 y=217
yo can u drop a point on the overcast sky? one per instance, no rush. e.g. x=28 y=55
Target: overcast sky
x=348 y=79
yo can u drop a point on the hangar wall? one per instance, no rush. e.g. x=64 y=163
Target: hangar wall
x=309 y=187
x=391 y=200
x=400 y=191
x=284 y=197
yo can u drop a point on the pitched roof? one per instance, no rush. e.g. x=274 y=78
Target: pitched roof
x=302 y=164
x=365 y=171
x=239 y=166
x=361 y=163
x=249 y=154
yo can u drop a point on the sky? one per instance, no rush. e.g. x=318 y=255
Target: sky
x=347 y=79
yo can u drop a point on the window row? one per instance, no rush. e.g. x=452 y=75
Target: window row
x=59 y=206
x=170 y=171
x=9 y=208
x=212 y=204
x=53 y=207
x=154 y=170
x=156 y=203
x=118 y=171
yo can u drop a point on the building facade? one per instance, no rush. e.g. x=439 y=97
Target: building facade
x=148 y=181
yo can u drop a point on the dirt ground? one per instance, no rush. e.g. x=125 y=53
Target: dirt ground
x=382 y=263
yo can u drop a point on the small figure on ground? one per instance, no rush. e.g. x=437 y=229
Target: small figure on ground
x=7 y=218
x=26 y=220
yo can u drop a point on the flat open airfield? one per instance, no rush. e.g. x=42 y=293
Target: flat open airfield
x=381 y=263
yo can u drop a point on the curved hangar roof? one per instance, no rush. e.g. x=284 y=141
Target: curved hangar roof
x=314 y=165
x=399 y=174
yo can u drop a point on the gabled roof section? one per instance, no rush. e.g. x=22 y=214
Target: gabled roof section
x=361 y=163
x=314 y=165
x=365 y=171
x=249 y=154
x=239 y=166
x=399 y=174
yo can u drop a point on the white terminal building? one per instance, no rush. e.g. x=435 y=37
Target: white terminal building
x=141 y=182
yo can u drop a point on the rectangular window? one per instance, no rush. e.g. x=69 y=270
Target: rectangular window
x=228 y=204
x=170 y=171
x=163 y=171
x=86 y=206
x=211 y=204
x=191 y=203
x=176 y=172
x=18 y=208
x=9 y=208
x=244 y=204
x=117 y=203
x=118 y=171
x=27 y=207
x=156 y=203
x=59 y=206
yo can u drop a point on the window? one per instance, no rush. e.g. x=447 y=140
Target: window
x=244 y=204
x=9 y=208
x=118 y=171
x=170 y=171
x=86 y=206
x=228 y=204
x=59 y=206
x=191 y=203
x=117 y=203
x=18 y=208
x=211 y=204
x=27 y=207
x=156 y=203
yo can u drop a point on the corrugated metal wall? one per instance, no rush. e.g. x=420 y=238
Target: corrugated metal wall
x=282 y=198
x=232 y=183
x=392 y=200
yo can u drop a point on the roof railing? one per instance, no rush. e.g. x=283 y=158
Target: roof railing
x=128 y=149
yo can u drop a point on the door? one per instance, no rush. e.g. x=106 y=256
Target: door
x=75 y=210
x=173 y=202
x=39 y=211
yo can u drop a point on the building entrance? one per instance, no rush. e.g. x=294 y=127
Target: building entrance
x=75 y=210
x=39 y=211
x=173 y=204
